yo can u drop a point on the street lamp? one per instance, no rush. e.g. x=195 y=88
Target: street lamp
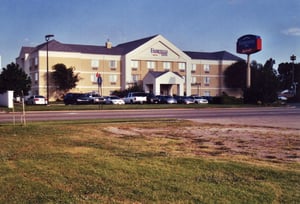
x=293 y=58
x=47 y=38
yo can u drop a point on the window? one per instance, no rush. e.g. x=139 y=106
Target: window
x=95 y=64
x=206 y=93
x=151 y=65
x=206 y=81
x=135 y=78
x=181 y=66
x=112 y=64
x=167 y=65
x=206 y=68
x=93 y=78
x=134 y=64
x=36 y=61
x=36 y=76
x=113 y=78
x=194 y=66
x=194 y=80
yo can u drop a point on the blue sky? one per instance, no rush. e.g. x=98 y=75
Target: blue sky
x=191 y=25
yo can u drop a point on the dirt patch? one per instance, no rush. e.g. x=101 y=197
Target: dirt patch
x=239 y=141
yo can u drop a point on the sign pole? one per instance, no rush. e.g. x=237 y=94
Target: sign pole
x=248 y=72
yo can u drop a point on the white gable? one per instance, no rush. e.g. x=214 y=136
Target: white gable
x=160 y=49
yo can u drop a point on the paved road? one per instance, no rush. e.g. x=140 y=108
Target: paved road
x=274 y=117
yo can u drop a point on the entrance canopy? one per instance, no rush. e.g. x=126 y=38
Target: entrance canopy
x=164 y=83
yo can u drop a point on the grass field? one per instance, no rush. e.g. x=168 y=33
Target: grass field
x=61 y=107
x=147 y=162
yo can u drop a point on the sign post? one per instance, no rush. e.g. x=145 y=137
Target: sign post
x=249 y=44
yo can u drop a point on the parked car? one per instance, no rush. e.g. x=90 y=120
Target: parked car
x=199 y=100
x=36 y=100
x=184 y=100
x=136 y=97
x=114 y=100
x=84 y=99
x=71 y=98
x=167 y=99
x=151 y=98
x=90 y=98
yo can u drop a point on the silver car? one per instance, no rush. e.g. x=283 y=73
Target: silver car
x=199 y=100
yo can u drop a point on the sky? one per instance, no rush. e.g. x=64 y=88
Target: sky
x=191 y=25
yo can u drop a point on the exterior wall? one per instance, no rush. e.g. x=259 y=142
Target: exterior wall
x=82 y=64
x=197 y=79
x=216 y=86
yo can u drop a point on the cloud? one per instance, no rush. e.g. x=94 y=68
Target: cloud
x=292 y=31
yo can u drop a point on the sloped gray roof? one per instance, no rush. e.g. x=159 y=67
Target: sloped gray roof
x=123 y=49
x=120 y=49
x=221 y=55
x=129 y=46
x=157 y=74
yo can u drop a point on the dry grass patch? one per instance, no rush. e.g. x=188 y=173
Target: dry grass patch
x=148 y=162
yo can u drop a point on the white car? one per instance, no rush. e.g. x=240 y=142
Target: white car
x=114 y=100
x=200 y=100
x=37 y=100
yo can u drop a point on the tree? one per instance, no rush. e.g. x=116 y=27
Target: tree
x=14 y=78
x=64 y=78
x=235 y=75
x=135 y=88
x=288 y=74
x=264 y=83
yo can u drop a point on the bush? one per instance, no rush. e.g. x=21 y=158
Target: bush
x=225 y=99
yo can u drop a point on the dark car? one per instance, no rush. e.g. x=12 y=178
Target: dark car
x=71 y=98
x=90 y=98
x=167 y=99
x=184 y=100
x=151 y=98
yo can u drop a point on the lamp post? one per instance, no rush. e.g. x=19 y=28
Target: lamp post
x=47 y=38
x=293 y=58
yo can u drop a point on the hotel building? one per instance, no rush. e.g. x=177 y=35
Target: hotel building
x=153 y=62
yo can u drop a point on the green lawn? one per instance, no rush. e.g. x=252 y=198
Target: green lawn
x=62 y=107
x=99 y=162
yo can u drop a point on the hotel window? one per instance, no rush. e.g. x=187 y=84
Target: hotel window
x=167 y=65
x=194 y=66
x=95 y=64
x=181 y=66
x=113 y=78
x=112 y=64
x=93 y=78
x=36 y=61
x=206 y=81
x=206 y=68
x=206 y=93
x=36 y=76
x=194 y=80
x=151 y=65
x=135 y=78
x=134 y=64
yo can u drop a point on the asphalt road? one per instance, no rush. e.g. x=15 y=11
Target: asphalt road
x=288 y=117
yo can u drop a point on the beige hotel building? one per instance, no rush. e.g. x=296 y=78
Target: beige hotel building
x=153 y=62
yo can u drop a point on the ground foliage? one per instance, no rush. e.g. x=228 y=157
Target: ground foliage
x=175 y=162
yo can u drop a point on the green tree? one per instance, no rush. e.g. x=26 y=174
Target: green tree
x=14 y=78
x=135 y=88
x=235 y=75
x=64 y=78
x=264 y=83
x=288 y=74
